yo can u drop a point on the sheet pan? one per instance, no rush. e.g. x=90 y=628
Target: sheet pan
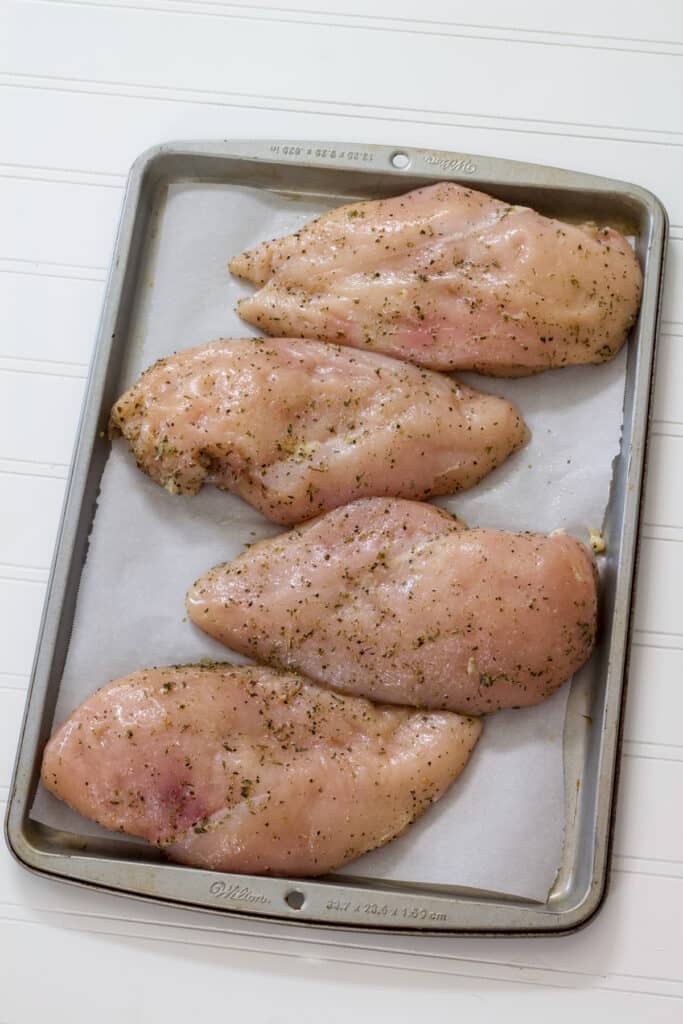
x=327 y=174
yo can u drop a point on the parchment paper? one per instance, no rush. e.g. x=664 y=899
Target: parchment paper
x=500 y=827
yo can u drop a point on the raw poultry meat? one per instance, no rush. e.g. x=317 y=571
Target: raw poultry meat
x=398 y=601
x=451 y=279
x=297 y=427
x=245 y=769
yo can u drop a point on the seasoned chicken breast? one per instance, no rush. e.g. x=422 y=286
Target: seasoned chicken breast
x=298 y=427
x=246 y=769
x=451 y=279
x=399 y=602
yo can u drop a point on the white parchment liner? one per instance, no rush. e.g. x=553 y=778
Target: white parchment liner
x=500 y=828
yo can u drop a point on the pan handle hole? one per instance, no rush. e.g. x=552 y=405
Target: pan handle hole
x=295 y=899
x=400 y=160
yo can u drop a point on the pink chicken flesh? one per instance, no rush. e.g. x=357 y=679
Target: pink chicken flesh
x=399 y=602
x=297 y=427
x=246 y=769
x=451 y=279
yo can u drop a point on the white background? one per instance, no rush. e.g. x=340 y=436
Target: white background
x=84 y=87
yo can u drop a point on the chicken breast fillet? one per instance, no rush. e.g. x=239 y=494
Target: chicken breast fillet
x=399 y=602
x=297 y=427
x=451 y=279
x=246 y=769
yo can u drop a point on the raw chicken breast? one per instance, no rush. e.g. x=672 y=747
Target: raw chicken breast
x=449 y=278
x=399 y=602
x=298 y=427
x=246 y=769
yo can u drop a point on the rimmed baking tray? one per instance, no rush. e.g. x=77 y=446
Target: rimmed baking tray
x=352 y=171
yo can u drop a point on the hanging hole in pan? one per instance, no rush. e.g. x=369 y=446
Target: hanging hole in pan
x=295 y=899
x=400 y=160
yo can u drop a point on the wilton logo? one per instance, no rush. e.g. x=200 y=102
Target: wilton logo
x=462 y=165
x=236 y=892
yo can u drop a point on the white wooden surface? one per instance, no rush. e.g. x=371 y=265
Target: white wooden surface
x=595 y=85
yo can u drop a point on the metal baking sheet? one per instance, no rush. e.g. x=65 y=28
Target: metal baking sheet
x=349 y=172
